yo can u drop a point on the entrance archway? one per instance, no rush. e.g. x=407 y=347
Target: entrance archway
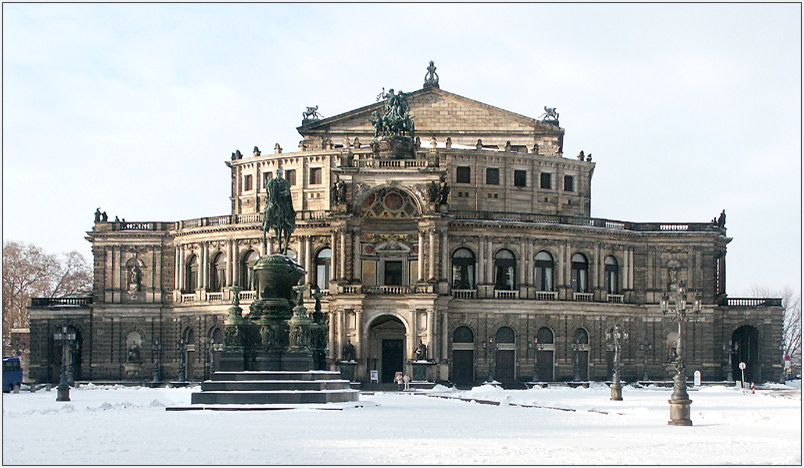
x=506 y=344
x=745 y=348
x=386 y=345
x=463 y=356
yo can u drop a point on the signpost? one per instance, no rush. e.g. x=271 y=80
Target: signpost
x=375 y=376
x=742 y=380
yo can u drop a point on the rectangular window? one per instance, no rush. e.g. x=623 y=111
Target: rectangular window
x=266 y=176
x=393 y=273
x=520 y=178
x=315 y=175
x=546 y=180
x=247 y=183
x=492 y=176
x=568 y=183
x=463 y=174
x=290 y=175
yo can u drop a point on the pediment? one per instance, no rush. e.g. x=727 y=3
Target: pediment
x=434 y=111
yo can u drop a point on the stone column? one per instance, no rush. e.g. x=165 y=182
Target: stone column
x=357 y=267
x=431 y=259
x=342 y=256
x=444 y=256
x=490 y=262
x=411 y=338
x=339 y=345
x=444 y=335
x=333 y=259
x=236 y=263
x=631 y=269
x=333 y=322
x=177 y=269
x=421 y=256
x=481 y=260
x=626 y=260
x=595 y=275
x=523 y=263
x=358 y=334
x=181 y=261
x=308 y=259
x=430 y=332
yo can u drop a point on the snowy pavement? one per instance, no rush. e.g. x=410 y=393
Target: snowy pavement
x=129 y=425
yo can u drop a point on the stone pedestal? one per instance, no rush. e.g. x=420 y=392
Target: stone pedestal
x=422 y=371
x=297 y=361
x=616 y=391
x=680 y=413
x=347 y=369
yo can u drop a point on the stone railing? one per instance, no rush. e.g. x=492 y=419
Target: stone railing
x=83 y=301
x=214 y=297
x=389 y=163
x=753 y=302
x=503 y=294
x=582 y=297
x=247 y=295
x=618 y=298
x=464 y=293
x=546 y=295
x=470 y=215
x=185 y=298
x=352 y=289
x=388 y=290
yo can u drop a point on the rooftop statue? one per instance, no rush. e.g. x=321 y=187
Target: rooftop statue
x=279 y=213
x=395 y=119
x=431 y=79
x=550 y=114
x=311 y=114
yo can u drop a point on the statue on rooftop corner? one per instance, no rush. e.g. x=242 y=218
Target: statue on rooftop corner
x=311 y=114
x=550 y=114
x=279 y=213
x=431 y=79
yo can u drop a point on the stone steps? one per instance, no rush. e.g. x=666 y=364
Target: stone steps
x=274 y=387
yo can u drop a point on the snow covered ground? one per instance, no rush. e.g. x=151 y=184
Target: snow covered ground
x=122 y=426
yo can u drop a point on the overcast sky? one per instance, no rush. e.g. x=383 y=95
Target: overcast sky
x=687 y=109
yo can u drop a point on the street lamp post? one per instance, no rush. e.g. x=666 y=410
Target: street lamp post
x=536 y=348
x=675 y=306
x=157 y=352
x=615 y=339
x=67 y=338
x=782 y=348
x=646 y=348
x=576 y=346
x=729 y=372
x=490 y=358
x=181 y=348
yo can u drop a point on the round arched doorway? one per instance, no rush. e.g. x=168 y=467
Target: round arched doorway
x=745 y=346
x=386 y=346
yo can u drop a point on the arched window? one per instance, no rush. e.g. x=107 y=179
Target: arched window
x=463 y=269
x=322 y=266
x=505 y=270
x=545 y=335
x=189 y=336
x=217 y=273
x=543 y=271
x=463 y=335
x=246 y=273
x=191 y=274
x=580 y=273
x=581 y=336
x=216 y=335
x=612 y=274
x=505 y=335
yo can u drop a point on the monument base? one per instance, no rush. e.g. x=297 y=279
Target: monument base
x=347 y=369
x=232 y=361
x=421 y=372
x=680 y=413
x=301 y=361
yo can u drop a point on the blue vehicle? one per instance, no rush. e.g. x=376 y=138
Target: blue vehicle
x=12 y=373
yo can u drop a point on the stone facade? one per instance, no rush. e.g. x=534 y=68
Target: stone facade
x=510 y=273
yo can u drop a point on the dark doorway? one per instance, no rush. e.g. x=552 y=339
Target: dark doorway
x=504 y=369
x=545 y=365
x=393 y=273
x=463 y=367
x=745 y=348
x=391 y=359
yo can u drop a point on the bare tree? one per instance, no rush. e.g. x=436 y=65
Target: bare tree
x=791 y=333
x=29 y=271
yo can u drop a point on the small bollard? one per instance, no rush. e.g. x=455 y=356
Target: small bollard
x=47 y=387
x=17 y=388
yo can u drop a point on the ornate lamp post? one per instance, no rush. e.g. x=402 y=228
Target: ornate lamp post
x=615 y=339
x=490 y=358
x=576 y=346
x=646 y=348
x=536 y=348
x=181 y=348
x=730 y=352
x=67 y=338
x=157 y=353
x=675 y=306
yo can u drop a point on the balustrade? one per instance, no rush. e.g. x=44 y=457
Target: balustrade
x=753 y=302
x=546 y=295
x=464 y=293
x=185 y=298
x=617 y=298
x=582 y=297
x=502 y=294
x=214 y=297
x=247 y=295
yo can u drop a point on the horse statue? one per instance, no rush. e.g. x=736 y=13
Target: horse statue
x=279 y=213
